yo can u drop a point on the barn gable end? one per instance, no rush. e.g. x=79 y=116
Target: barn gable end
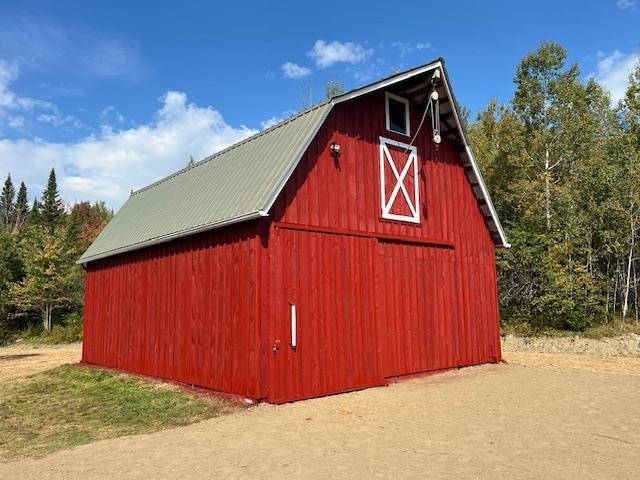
x=280 y=269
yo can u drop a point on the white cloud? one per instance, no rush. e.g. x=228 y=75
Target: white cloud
x=108 y=165
x=404 y=47
x=16 y=122
x=295 y=71
x=40 y=110
x=326 y=54
x=627 y=4
x=276 y=119
x=613 y=72
x=8 y=73
x=110 y=113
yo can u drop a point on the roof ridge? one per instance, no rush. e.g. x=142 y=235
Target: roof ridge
x=232 y=146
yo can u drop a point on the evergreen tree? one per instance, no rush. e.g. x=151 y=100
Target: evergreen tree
x=52 y=208
x=21 y=207
x=6 y=203
x=35 y=213
x=10 y=271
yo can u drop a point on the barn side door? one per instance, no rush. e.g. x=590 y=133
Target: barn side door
x=323 y=331
x=415 y=308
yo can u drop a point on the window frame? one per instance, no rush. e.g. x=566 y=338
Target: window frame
x=407 y=115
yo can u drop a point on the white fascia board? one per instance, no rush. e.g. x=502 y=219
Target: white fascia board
x=387 y=83
x=474 y=165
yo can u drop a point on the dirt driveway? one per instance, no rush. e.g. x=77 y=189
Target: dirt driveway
x=540 y=416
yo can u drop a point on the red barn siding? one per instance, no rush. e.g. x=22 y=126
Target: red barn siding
x=375 y=298
x=185 y=310
x=326 y=277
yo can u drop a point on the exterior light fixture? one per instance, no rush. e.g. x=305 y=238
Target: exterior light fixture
x=335 y=149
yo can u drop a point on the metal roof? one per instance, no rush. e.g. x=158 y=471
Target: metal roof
x=234 y=185
x=243 y=181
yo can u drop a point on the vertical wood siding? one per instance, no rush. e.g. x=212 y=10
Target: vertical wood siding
x=376 y=298
x=184 y=310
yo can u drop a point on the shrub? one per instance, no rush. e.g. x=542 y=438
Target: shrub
x=70 y=331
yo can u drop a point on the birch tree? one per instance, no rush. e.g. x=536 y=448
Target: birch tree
x=629 y=148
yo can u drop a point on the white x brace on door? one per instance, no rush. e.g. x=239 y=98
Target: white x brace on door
x=392 y=204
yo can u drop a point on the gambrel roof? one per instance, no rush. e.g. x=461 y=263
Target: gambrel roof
x=243 y=181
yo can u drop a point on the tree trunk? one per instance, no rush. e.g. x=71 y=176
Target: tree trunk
x=547 y=189
x=615 y=287
x=635 y=292
x=47 y=317
x=606 y=305
x=627 y=286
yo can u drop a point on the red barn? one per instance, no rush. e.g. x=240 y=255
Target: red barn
x=348 y=245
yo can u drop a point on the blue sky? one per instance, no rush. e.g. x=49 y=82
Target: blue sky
x=117 y=94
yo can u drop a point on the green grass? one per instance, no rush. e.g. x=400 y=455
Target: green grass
x=73 y=405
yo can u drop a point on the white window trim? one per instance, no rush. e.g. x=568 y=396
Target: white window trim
x=387 y=96
x=412 y=160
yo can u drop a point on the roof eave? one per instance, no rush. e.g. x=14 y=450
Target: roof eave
x=387 y=82
x=167 y=238
x=472 y=162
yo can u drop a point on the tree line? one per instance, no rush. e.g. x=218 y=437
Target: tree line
x=562 y=164
x=39 y=244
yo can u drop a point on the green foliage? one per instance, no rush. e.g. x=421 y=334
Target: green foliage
x=333 y=88
x=91 y=404
x=39 y=280
x=563 y=169
x=68 y=332
x=11 y=269
x=51 y=277
x=88 y=221
x=7 y=207
x=21 y=208
x=52 y=208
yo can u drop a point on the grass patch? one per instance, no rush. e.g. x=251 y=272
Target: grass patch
x=612 y=328
x=73 y=405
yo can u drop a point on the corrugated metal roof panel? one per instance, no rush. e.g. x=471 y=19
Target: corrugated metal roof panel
x=233 y=185
x=243 y=181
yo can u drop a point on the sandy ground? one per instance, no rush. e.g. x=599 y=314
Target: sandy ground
x=627 y=345
x=552 y=416
x=21 y=360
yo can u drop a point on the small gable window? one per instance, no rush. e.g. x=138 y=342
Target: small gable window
x=397 y=109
